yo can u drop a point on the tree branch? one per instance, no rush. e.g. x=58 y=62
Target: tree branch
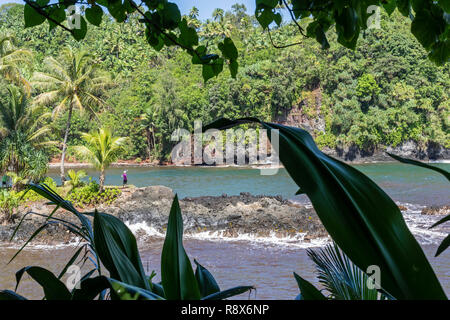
x=283 y=46
x=293 y=18
x=42 y=12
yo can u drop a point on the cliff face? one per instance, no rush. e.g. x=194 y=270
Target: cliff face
x=308 y=114
x=305 y=113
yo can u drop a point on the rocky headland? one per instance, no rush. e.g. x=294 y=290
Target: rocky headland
x=259 y=216
x=149 y=207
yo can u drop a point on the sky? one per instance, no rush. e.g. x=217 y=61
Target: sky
x=205 y=7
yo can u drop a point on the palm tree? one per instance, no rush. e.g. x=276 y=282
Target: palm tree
x=21 y=136
x=342 y=279
x=10 y=59
x=192 y=18
x=218 y=28
x=193 y=13
x=101 y=149
x=148 y=124
x=19 y=116
x=75 y=179
x=218 y=14
x=73 y=81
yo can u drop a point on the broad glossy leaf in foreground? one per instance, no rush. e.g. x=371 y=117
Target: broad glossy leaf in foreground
x=117 y=249
x=360 y=217
x=446 y=242
x=177 y=276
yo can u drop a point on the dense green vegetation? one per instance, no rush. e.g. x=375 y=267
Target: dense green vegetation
x=384 y=93
x=110 y=245
x=366 y=235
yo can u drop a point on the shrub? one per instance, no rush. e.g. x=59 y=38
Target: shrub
x=110 y=243
x=90 y=194
x=30 y=195
x=9 y=201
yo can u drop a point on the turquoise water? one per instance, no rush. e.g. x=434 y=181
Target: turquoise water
x=404 y=183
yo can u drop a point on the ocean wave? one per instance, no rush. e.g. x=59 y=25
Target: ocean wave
x=298 y=240
x=40 y=246
x=417 y=223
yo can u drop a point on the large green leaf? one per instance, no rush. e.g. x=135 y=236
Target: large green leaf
x=54 y=289
x=206 y=282
x=8 y=295
x=117 y=249
x=360 y=217
x=32 y=17
x=177 y=276
x=225 y=294
x=92 y=287
x=421 y=164
x=446 y=242
x=307 y=290
x=126 y=291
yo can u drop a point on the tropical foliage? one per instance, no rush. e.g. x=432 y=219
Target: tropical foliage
x=8 y=203
x=102 y=148
x=23 y=134
x=109 y=243
x=75 y=179
x=384 y=93
x=11 y=59
x=71 y=82
x=359 y=216
x=340 y=277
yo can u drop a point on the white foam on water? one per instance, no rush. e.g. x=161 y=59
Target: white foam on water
x=32 y=246
x=296 y=240
x=149 y=231
x=417 y=223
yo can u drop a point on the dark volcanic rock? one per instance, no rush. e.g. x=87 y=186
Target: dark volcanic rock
x=232 y=215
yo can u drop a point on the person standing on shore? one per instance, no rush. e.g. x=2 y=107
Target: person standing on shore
x=125 y=178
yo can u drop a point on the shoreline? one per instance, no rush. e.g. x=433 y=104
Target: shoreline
x=81 y=165
x=245 y=217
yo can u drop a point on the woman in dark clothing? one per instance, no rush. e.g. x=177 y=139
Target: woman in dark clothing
x=125 y=178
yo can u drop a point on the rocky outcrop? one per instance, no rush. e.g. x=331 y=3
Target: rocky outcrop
x=307 y=114
x=243 y=214
x=259 y=216
x=436 y=210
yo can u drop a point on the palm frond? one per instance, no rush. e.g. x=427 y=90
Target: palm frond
x=340 y=277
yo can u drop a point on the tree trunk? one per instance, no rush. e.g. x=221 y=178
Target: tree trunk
x=66 y=135
x=149 y=142
x=153 y=138
x=102 y=179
